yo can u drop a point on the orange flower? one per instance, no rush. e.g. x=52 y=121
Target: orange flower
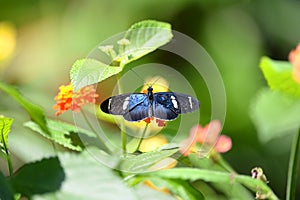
x=208 y=134
x=294 y=58
x=68 y=99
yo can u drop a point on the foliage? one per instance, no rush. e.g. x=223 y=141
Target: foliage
x=279 y=76
x=276 y=111
x=5 y=124
x=62 y=133
x=141 y=39
x=75 y=173
x=30 y=178
x=5 y=189
x=275 y=114
x=89 y=71
x=143 y=162
x=212 y=176
x=95 y=174
x=35 y=112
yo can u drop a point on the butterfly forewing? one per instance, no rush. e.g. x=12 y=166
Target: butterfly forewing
x=133 y=107
x=187 y=103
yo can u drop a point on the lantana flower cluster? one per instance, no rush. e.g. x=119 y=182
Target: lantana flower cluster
x=68 y=99
x=208 y=134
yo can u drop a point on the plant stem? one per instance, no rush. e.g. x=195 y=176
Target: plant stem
x=92 y=128
x=142 y=137
x=223 y=163
x=293 y=166
x=8 y=158
x=124 y=141
x=123 y=134
x=10 y=167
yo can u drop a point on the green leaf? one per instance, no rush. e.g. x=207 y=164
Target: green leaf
x=279 y=76
x=192 y=174
x=34 y=111
x=275 y=114
x=146 y=193
x=64 y=134
x=142 y=162
x=39 y=177
x=144 y=37
x=5 y=189
x=5 y=124
x=85 y=72
x=177 y=187
x=204 y=163
x=232 y=191
x=110 y=160
x=88 y=179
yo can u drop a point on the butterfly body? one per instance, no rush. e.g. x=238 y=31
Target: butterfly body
x=139 y=106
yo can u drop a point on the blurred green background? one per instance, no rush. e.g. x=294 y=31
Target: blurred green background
x=40 y=40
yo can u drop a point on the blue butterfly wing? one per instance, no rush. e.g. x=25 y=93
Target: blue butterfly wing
x=168 y=105
x=133 y=107
x=164 y=106
x=138 y=107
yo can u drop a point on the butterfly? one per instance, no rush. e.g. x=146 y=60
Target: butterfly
x=139 y=106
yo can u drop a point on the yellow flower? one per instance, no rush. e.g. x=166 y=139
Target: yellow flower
x=158 y=83
x=7 y=40
x=153 y=143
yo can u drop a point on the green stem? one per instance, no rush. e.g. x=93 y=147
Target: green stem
x=8 y=158
x=142 y=137
x=223 y=163
x=10 y=167
x=263 y=189
x=124 y=141
x=92 y=128
x=215 y=177
x=293 y=166
x=123 y=134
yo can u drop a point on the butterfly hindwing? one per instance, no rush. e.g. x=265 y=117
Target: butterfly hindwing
x=165 y=106
x=138 y=107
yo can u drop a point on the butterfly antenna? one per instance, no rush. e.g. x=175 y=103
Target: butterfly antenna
x=156 y=80
x=139 y=76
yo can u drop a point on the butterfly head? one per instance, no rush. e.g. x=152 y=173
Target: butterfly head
x=150 y=92
x=150 y=89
